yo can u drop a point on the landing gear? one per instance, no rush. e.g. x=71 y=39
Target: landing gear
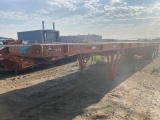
x=151 y=52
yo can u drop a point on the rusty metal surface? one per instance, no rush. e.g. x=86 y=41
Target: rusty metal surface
x=59 y=50
x=17 y=57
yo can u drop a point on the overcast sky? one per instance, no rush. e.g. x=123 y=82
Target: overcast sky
x=109 y=18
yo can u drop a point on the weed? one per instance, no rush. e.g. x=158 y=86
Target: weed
x=155 y=70
x=99 y=59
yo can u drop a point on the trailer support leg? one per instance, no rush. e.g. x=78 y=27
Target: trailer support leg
x=114 y=64
x=108 y=58
x=112 y=67
x=80 y=63
x=157 y=50
x=83 y=61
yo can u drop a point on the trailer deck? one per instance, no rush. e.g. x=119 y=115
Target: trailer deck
x=19 y=57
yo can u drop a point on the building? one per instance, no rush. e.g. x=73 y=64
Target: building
x=109 y=40
x=81 y=38
x=40 y=36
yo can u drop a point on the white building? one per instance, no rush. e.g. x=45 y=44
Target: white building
x=81 y=38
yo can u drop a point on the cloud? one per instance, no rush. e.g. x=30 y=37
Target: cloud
x=43 y=11
x=131 y=11
x=84 y=14
x=92 y=4
x=116 y=1
x=23 y=17
x=70 y=4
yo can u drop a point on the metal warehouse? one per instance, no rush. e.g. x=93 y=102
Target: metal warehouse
x=40 y=36
x=81 y=38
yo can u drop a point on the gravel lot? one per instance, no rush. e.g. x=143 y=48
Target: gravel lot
x=61 y=93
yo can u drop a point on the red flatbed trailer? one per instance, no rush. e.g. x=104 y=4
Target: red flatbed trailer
x=19 y=57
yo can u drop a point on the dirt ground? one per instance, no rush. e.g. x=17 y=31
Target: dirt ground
x=61 y=93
